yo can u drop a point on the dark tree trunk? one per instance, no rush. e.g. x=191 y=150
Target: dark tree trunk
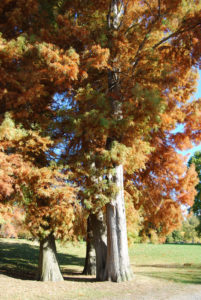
x=96 y=246
x=90 y=260
x=48 y=265
x=100 y=243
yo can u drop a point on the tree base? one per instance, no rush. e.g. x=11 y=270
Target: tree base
x=48 y=265
x=121 y=277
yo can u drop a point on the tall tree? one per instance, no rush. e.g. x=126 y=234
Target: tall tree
x=139 y=86
x=134 y=61
x=43 y=192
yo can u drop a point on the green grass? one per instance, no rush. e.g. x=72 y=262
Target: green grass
x=180 y=263
x=20 y=257
x=165 y=254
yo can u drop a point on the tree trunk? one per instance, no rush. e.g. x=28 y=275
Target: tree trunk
x=97 y=242
x=117 y=265
x=90 y=260
x=48 y=265
x=100 y=243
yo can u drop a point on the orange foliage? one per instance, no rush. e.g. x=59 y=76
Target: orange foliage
x=47 y=200
x=67 y=47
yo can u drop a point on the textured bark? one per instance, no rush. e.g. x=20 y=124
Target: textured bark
x=100 y=243
x=90 y=260
x=118 y=265
x=96 y=245
x=48 y=265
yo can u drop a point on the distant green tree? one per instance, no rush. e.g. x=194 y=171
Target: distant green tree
x=189 y=229
x=196 y=160
x=177 y=236
x=186 y=233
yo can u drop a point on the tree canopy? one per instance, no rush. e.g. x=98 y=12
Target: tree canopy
x=106 y=83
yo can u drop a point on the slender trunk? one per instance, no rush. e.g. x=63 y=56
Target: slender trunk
x=100 y=243
x=118 y=265
x=96 y=253
x=90 y=260
x=48 y=265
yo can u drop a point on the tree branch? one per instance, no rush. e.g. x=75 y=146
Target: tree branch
x=174 y=34
x=125 y=10
x=147 y=3
x=136 y=59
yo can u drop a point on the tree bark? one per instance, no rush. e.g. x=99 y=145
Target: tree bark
x=90 y=260
x=100 y=243
x=48 y=265
x=117 y=265
x=95 y=261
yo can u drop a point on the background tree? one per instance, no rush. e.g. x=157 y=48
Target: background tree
x=43 y=192
x=164 y=187
x=186 y=233
x=196 y=160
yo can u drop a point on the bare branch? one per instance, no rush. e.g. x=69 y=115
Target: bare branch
x=131 y=26
x=136 y=58
x=174 y=34
x=125 y=10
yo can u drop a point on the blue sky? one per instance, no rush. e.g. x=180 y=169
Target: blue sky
x=197 y=95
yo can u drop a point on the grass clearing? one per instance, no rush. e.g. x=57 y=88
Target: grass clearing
x=173 y=268
x=178 y=262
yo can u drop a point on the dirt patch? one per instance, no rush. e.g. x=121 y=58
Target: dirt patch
x=85 y=287
x=154 y=279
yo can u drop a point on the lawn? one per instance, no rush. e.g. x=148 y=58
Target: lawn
x=177 y=262
x=172 y=267
x=20 y=257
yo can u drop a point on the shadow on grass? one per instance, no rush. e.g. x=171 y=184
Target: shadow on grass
x=177 y=273
x=184 y=244
x=171 y=266
x=79 y=278
x=20 y=260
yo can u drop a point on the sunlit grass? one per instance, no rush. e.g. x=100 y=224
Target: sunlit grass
x=165 y=253
x=180 y=263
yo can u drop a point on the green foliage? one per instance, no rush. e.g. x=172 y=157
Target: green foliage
x=177 y=236
x=9 y=131
x=189 y=228
x=196 y=159
x=187 y=232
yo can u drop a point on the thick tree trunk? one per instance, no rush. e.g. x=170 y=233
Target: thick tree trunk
x=117 y=265
x=90 y=260
x=48 y=265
